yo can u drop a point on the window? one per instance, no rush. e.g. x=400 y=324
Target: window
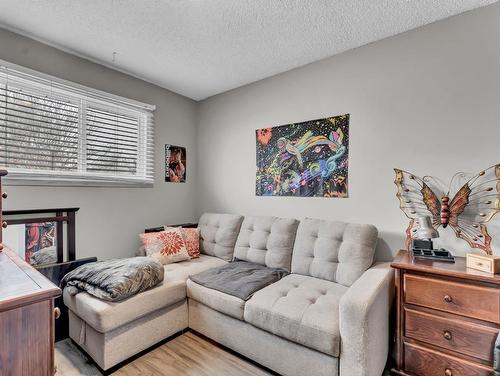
x=56 y=132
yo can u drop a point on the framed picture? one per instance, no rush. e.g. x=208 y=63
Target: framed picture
x=175 y=164
x=307 y=159
x=40 y=242
x=32 y=241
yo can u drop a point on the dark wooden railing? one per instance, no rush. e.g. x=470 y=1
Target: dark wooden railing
x=58 y=215
x=160 y=228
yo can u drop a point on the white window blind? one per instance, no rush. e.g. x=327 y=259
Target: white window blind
x=57 y=132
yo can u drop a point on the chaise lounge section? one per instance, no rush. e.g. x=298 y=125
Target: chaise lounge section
x=328 y=316
x=111 y=332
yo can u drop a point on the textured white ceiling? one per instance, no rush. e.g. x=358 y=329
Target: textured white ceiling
x=199 y=48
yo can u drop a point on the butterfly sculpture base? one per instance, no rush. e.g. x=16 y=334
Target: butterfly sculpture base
x=433 y=254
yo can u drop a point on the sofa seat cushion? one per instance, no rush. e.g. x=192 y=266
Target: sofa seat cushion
x=302 y=309
x=183 y=270
x=105 y=316
x=239 y=278
x=217 y=300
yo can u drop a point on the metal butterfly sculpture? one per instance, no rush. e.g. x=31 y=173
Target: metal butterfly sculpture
x=467 y=213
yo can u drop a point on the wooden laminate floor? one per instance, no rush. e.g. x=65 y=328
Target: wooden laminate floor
x=187 y=354
x=190 y=355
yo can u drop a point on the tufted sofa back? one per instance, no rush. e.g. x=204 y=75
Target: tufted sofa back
x=267 y=241
x=218 y=234
x=336 y=251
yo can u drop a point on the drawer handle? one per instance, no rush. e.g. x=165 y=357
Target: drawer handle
x=447 y=335
x=4 y=195
x=447 y=372
x=448 y=299
x=57 y=313
x=4 y=224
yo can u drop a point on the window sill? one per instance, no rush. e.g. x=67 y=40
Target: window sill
x=28 y=179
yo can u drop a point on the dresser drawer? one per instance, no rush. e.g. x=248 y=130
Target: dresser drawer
x=460 y=298
x=420 y=361
x=452 y=334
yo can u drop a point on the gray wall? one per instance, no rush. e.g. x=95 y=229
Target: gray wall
x=109 y=220
x=427 y=101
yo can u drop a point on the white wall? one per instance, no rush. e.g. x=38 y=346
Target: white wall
x=427 y=101
x=15 y=237
x=110 y=219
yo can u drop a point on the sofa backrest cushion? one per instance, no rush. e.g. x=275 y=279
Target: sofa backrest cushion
x=218 y=233
x=336 y=251
x=267 y=241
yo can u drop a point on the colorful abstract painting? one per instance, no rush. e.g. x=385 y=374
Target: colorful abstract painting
x=308 y=159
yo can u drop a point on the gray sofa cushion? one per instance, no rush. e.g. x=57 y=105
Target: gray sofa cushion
x=302 y=309
x=220 y=301
x=335 y=251
x=218 y=233
x=267 y=241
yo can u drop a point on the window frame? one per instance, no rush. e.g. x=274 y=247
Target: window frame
x=87 y=97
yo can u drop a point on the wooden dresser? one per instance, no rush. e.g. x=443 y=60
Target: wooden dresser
x=448 y=318
x=26 y=317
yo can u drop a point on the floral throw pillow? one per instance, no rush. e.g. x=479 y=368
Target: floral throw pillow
x=191 y=238
x=165 y=246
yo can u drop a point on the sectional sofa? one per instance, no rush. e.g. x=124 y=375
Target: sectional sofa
x=329 y=316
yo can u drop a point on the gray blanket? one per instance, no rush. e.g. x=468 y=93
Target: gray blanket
x=239 y=278
x=114 y=280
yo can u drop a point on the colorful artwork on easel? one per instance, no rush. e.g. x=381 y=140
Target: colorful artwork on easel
x=308 y=159
x=39 y=236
